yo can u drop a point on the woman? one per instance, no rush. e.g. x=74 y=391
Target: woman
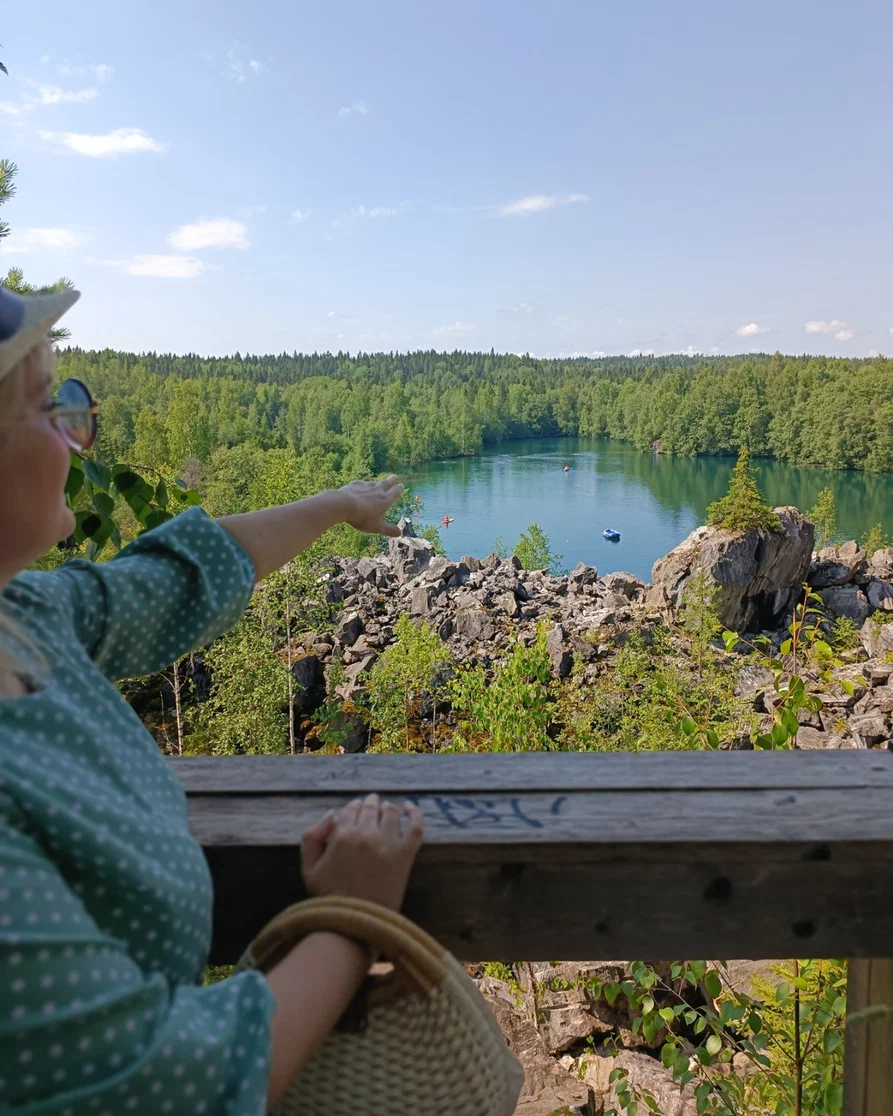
x=105 y=898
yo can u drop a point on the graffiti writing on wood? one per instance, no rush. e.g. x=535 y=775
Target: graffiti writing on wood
x=484 y=813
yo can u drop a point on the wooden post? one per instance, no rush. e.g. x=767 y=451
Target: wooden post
x=868 y=1069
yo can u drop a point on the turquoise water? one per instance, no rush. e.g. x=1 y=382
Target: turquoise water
x=653 y=501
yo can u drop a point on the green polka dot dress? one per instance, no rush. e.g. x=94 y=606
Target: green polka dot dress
x=105 y=898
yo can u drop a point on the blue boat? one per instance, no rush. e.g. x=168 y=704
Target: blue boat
x=610 y=534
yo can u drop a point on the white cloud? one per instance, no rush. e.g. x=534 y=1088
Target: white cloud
x=751 y=330
x=44 y=240
x=102 y=71
x=121 y=141
x=825 y=327
x=890 y=330
x=594 y=354
x=53 y=95
x=358 y=108
x=457 y=329
x=361 y=211
x=837 y=329
x=536 y=203
x=298 y=215
x=43 y=95
x=640 y=352
x=159 y=267
x=240 y=68
x=221 y=232
x=714 y=350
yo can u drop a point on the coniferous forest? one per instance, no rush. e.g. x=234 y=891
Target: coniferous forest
x=368 y=413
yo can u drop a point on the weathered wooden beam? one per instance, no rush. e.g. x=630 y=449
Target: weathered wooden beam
x=868 y=1069
x=569 y=856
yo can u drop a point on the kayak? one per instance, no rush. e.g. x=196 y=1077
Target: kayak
x=610 y=533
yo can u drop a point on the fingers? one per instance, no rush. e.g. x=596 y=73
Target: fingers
x=389 y=529
x=414 y=830
x=351 y=812
x=390 y=820
x=369 y=813
x=313 y=840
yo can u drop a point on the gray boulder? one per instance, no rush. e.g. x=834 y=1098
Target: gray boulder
x=309 y=684
x=350 y=629
x=880 y=594
x=560 y=655
x=582 y=575
x=440 y=569
x=758 y=574
x=474 y=624
x=837 y=565
x=421 y=601
x=367 y=569
x=548 y=1086
x=877 y=638
x=410 y=556
x=649 y=1074
x=845 y=600
x=621 y=582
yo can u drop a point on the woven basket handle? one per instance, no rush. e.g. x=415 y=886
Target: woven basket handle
x=413 y=952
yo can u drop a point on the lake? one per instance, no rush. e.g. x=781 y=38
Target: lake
x=654 y=501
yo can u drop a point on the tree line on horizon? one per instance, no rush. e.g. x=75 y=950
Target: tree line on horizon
x=389 y=411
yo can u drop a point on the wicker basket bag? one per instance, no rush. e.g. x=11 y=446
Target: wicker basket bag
x=420 y=1041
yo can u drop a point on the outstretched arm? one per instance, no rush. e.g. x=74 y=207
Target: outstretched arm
x=274 y=536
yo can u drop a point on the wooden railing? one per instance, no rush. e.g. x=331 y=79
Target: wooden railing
x=585 y=856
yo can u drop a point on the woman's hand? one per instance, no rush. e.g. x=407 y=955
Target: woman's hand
x=366 y=503
x=365 y=852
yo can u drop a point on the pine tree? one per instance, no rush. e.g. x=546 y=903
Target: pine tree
x=824 y=517
x=742 y=508
x=875 y=540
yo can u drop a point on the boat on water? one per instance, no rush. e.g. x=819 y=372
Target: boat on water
x=447 y=520
x=610 y=534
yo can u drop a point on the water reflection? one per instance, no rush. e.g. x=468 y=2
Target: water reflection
x=652 y=500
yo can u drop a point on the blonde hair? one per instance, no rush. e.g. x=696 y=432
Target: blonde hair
x=12 y=394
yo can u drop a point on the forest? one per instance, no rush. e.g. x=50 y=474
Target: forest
x=369 y=413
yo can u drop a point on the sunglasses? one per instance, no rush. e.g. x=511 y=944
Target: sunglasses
x=73 y=412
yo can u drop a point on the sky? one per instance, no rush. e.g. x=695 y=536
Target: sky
x=560 y=178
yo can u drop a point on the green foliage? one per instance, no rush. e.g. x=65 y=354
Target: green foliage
x=409 y=672
x=498 y=548
x=380 y=411
x=699 y=620
x=824 y=518
x=742 y=508
x=98 y=494
x=786 y=1037
x=801 y=672
x=844 y=634
x=875 y=540
x=509 y=711
x=654 y=696
x=246 y=712
x=534 y=550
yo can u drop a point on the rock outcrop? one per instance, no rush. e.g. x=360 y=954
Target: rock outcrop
x=758 y=574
